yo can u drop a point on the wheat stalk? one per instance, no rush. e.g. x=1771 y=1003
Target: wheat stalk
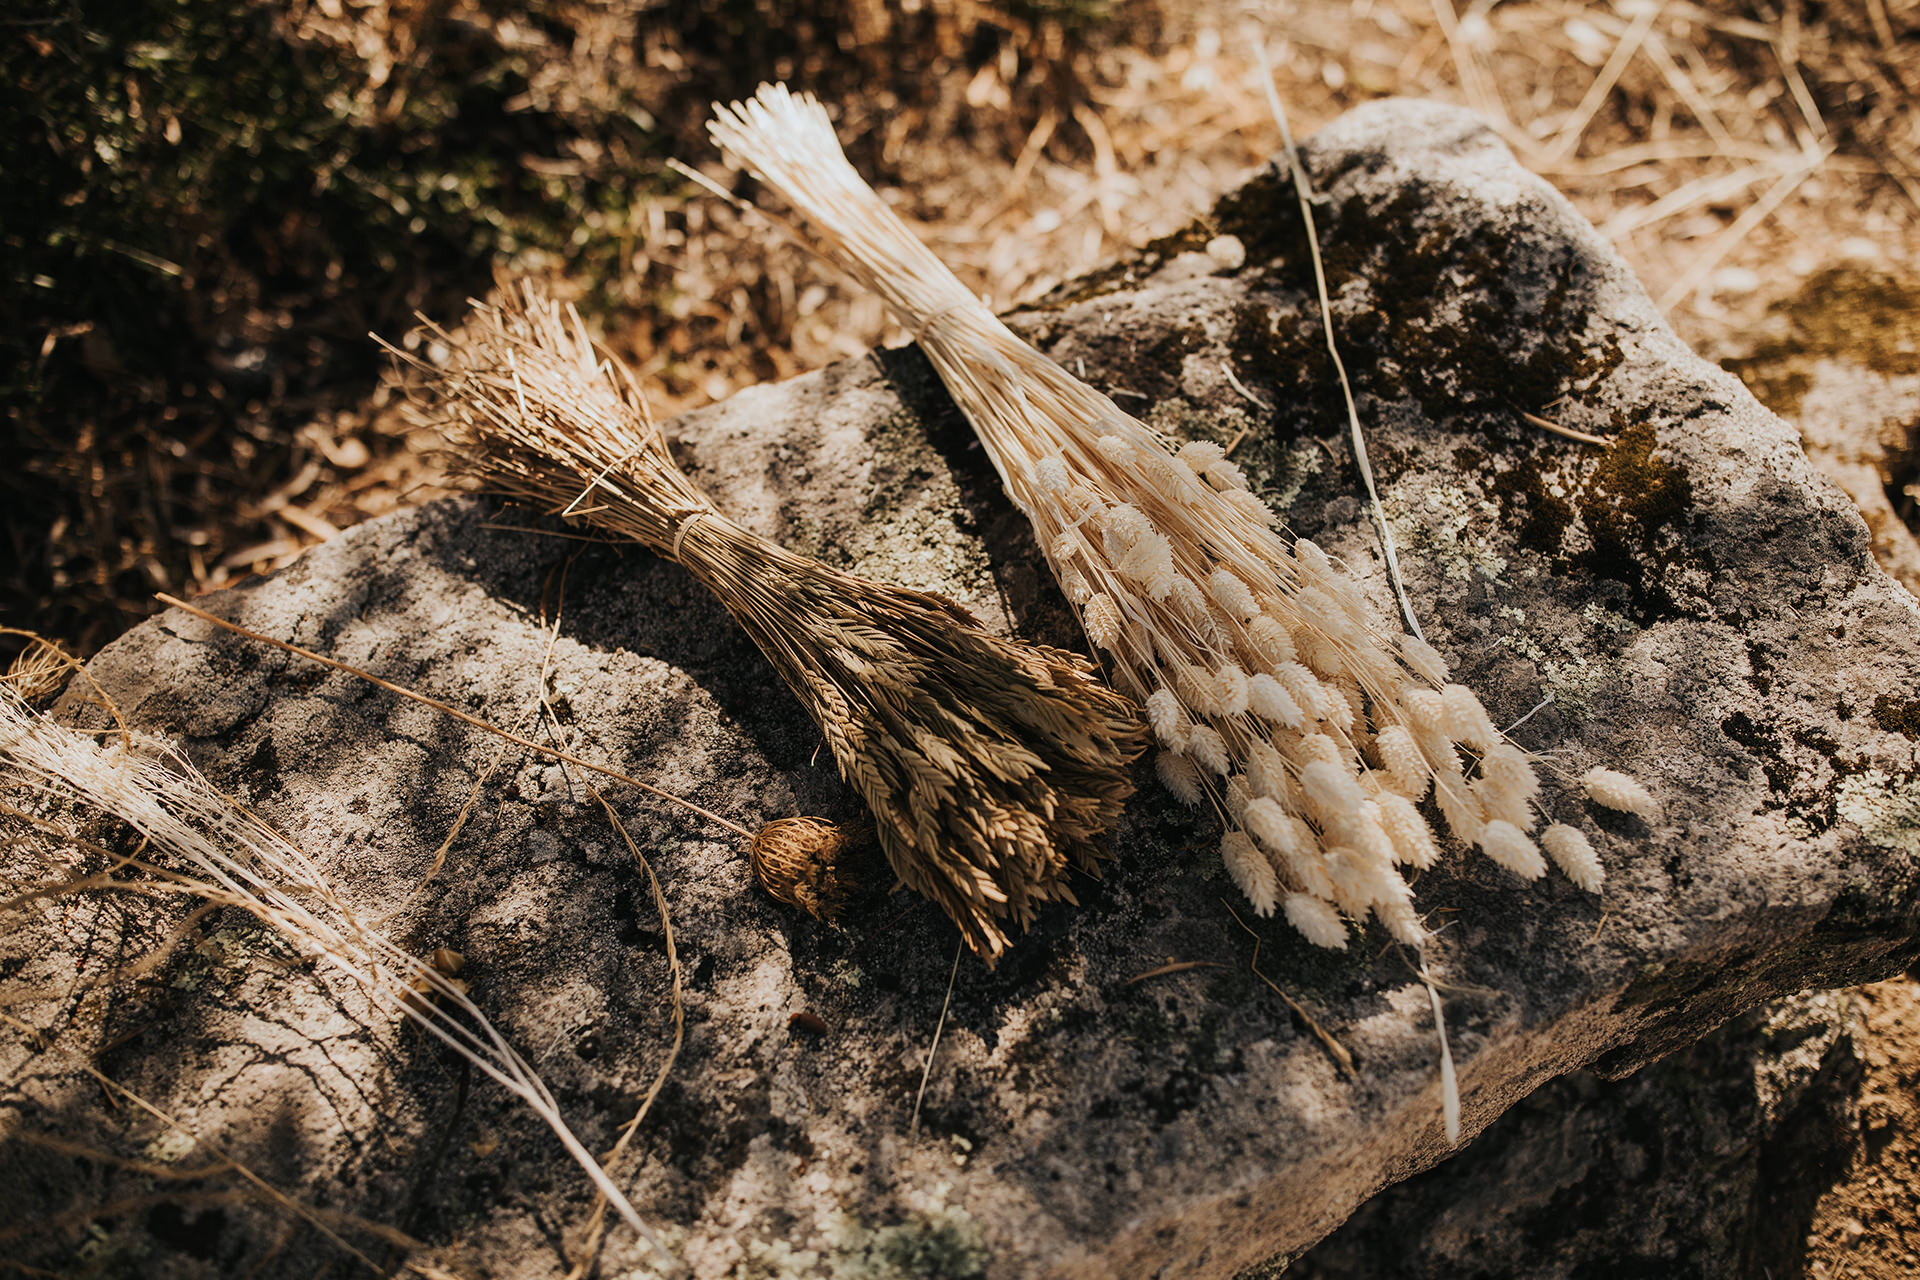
x=1274 y=694
x=992 y=767
x=220 y=851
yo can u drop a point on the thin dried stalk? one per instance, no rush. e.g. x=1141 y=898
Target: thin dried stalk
x=1277 y=696
x=991 y=767
x=223 y=852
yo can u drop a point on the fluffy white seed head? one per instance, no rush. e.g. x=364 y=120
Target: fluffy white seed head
x=1167 y=719
x=1149 y=563
x=1316 y=921
x=1308 y=869
x=1355 y=722
x=1314 y=563
x=1226 y=476
x=1618 y=791
x=1270 y=641
x=1424 y=659
x=1074 y=584
x=1178 y=775
x=1320 y=612
x=1458 y=805
x=1103 y=622
x=1320 y=653
x=1249 y=504
x=1270 y=701
x=1250 y=871
x=1230 y=684
x=1406 y=767
x=1051 y=475
x=1330 y=790
x=1423 y=708
x=1194 y=684
x=1232 y=595
x=1344 y=711
x=1352 y=600
x=1509 y=773
x=1162 y=473
x=1320 y=747
x=1466 y=720
x=1126 y=523
x=1306 y=690
x=1509 y=846
x=1361 y=831
x=1082 y=503
x=1239 y=795
x=1505 y=806
x=1208 y=749
x=1268 y=823
x=1188 y=600
x=1403 y=922
x=1201 y=454
x=1574 y=855
x=1115 y=449
x=1266 y=769
x=1353 y=880
x=1412 y=839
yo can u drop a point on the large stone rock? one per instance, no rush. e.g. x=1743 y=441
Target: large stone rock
x=1711 y=1164
x=1701 y=608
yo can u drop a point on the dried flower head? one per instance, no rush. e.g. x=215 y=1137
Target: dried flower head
x=39 y=671
x=809 y=863
x=991 y=767
x=1274 y=693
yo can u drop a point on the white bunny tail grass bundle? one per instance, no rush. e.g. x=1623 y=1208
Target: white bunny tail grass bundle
x=1273 y=693
x=202 y=842
x=992 y=767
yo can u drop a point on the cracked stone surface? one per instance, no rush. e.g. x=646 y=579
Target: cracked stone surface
x=1699 y=606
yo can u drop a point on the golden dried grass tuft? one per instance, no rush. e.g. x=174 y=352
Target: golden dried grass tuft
x=992 y=768
x=40 y=670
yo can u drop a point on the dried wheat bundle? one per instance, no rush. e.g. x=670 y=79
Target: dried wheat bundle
x=991 y=767
x=1275 y=695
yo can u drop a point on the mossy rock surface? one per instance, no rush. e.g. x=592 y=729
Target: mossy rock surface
x=1701 y=608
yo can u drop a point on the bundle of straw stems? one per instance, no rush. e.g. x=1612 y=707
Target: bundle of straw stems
x=1273 y=692
x=991 y=767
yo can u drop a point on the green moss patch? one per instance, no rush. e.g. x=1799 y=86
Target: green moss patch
x=1844 y=313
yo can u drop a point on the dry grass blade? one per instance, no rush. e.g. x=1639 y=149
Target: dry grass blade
x=991 y=767
x=222 y=851
x=1303 y=193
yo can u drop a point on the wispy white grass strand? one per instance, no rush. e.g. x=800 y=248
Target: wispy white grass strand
x=146 y=784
